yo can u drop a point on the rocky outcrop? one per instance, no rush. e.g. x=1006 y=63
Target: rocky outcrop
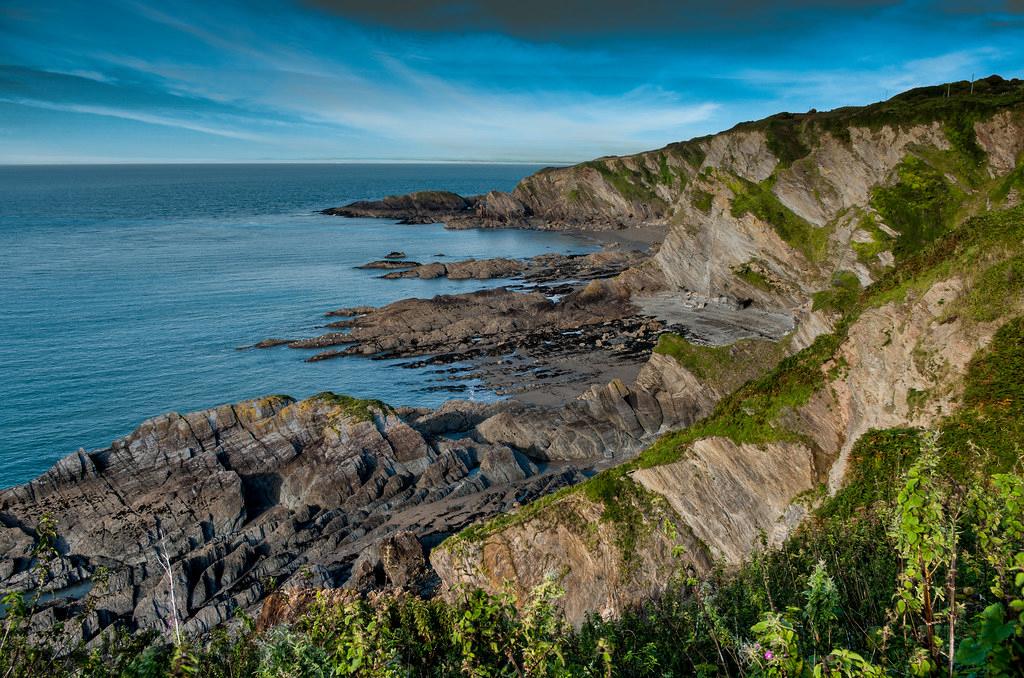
x=545 y=268
x=468 y=323
x=424 y=207
x=390 y=264
x=729 y=494
x=904 y=365
x=242 y=498
x=578 y=551
x=397 y=560
x=471 y=269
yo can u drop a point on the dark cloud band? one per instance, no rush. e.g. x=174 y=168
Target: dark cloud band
x=554 y=18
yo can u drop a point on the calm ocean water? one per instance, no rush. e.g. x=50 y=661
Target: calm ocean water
x=125 y=290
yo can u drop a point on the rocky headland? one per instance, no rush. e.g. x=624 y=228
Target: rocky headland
x=786 y=311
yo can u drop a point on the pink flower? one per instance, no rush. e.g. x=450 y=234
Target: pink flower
x=769 y=655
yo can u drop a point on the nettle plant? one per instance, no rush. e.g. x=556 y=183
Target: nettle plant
x=790 y=644
x=996 y=641
x=926 y=532
x=935 y=514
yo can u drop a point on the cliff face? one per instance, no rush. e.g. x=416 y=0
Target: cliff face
x=752 y=468
x=814 y=215
x=768 y=211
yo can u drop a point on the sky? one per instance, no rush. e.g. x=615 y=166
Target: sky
x=457 y=80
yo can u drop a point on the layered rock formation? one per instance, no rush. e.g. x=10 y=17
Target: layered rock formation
x=748 y=475
x=424 y=207
x=243 y=498
x=540 y=269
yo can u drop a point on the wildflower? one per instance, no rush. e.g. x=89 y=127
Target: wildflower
x=769 y=655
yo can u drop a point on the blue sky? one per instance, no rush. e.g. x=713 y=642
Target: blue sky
x=534 y=80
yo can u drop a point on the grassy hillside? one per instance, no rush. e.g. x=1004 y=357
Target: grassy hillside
x=648 y=182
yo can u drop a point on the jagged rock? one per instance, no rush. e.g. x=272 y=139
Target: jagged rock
x=350 y=311
x=288 y=605
x=396 y=561
x=478 y=321
x=309 y=493
x=503 y=465
x=424 y=207
x=479 y=269
x=578 y=550
x=388 y=264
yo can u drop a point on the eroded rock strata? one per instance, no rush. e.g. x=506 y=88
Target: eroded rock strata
x=263 y=491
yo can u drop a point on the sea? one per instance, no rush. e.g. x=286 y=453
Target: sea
x=126 y=290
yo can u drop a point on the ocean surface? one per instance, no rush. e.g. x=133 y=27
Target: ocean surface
x=126 y=290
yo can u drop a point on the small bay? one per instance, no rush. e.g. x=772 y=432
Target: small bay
x=126 y=290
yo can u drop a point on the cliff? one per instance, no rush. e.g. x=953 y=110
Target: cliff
x=798 y=213
x=769 y=211
x=748 y=473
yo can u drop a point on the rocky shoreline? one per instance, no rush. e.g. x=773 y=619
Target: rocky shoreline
x=332 y=491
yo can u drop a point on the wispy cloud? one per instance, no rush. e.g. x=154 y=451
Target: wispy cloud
x=238 y=80
x=136 y=116
x=861 y=85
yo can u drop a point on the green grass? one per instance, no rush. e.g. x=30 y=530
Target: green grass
x=989 y=428
x=998 y=289
x=921 y=106
x=758 y=199
x=690 y=151
x=867 y=252
x=977 y=240
x=750 y=275
x=921 y=205
x=702 y=200
x=669 y=176
x=877 y=462
x=719 y=365
x=353 y=408
x=480 y=531
x=1012 y=181
x=783 y=136
x=627 y=506
x=842 y=296
x=751 y=413
x=635 y=186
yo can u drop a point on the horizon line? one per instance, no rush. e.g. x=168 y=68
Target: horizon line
x=368 y=161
